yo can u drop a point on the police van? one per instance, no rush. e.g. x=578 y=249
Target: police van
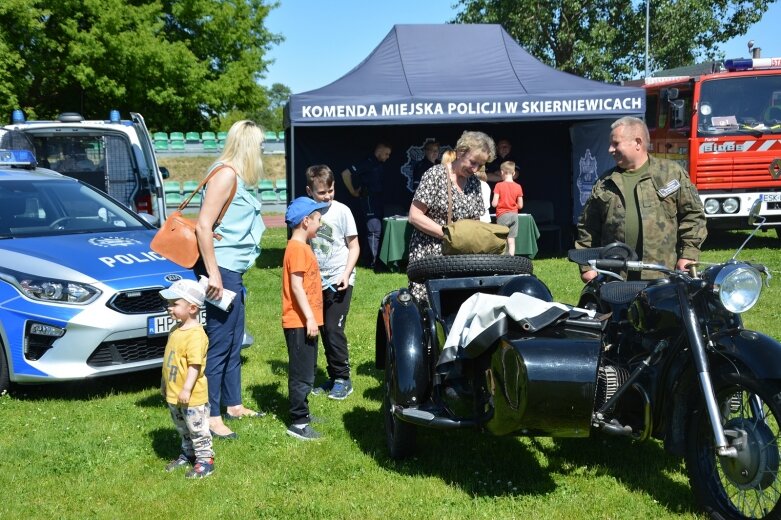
x=114 y=155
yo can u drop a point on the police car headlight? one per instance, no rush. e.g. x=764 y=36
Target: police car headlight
x=738 y=287
x=51 y=290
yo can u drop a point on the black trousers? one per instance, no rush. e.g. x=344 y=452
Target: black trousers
x=302 y=360
x=336 y=305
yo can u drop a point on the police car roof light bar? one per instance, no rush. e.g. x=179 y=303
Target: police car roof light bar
x=23 y=158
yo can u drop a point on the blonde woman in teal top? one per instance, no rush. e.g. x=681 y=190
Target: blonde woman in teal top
x=227 y=251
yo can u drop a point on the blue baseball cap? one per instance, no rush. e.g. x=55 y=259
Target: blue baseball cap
x=303 y=207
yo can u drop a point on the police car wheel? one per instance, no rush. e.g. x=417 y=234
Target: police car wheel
x=459 y=266
x=4 y=374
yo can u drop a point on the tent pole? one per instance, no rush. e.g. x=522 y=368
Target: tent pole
x=292 y=161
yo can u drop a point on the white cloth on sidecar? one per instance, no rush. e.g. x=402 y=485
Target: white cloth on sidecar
x=481 y=311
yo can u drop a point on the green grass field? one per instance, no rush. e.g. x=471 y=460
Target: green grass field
x=96 y=449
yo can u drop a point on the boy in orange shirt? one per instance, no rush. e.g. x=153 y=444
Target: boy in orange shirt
x=302 y=311
x=508 y=200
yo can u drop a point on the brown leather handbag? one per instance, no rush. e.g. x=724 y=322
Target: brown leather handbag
x=176 y=239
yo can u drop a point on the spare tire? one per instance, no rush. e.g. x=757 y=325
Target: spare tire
x=459 y=266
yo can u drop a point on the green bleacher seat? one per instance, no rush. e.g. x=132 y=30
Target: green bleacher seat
x=208 y=135
x=176 y=145
x=221 y=136
x=160 y=136
x=192 y=137
x=172 y=186
x=210 y=145
x=282 y=196
x=177 y=136
x=189 y=187
x=161 y=146
x=280 y=184
x=196 y=200
x=280 y=136
x=173 y=199
x=266 y=184
x=268 y=196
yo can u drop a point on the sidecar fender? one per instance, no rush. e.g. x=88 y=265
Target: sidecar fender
x=402 y=341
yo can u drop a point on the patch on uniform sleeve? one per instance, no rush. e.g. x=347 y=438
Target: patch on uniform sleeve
x=670 y=188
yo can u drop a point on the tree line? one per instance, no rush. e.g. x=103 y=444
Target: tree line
x=184 y=64
x=605 y=39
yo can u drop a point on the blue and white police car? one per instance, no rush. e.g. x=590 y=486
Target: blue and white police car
x=79 y=283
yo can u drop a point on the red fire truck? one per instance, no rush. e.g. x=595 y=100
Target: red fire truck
x=724 y=126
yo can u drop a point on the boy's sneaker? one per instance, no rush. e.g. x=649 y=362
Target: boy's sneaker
x=307 y=433
x=180 y=462
x=202 y=468
x=342 y=388
x=324 y=388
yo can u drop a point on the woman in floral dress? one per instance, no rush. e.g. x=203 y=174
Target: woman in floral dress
x=428 y=212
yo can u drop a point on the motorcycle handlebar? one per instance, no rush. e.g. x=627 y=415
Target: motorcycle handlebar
x=611 y=263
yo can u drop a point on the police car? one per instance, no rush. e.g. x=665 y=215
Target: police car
x=79 y=283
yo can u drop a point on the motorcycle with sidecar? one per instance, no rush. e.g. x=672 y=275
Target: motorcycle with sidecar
x=667 y=359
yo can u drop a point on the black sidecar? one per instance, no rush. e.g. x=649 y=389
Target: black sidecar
x=528 y=378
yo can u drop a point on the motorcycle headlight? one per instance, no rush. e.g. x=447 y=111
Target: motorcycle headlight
x=738 y=287
x=51 y=290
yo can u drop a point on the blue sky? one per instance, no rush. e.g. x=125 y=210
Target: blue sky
x=324 y=39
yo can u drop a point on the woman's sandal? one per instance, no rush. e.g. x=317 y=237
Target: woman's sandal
x=252 y=415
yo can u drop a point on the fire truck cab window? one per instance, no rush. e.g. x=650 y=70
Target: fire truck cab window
x=747 y=100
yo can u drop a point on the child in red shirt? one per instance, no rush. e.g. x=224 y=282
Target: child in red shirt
x=508 y=200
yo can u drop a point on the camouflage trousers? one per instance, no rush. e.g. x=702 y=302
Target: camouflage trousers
x=192 y=423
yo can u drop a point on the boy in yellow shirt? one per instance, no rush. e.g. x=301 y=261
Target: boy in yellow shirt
x=184 y=384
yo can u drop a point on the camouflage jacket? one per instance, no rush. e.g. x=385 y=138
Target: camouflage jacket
x=673 y=221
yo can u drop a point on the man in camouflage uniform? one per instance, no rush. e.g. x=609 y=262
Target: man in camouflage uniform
x=646 y=202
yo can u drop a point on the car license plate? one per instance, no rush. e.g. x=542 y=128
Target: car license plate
x=159 y=325
x=771 y=197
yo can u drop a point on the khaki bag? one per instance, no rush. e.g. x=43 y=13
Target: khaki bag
x=470 y=237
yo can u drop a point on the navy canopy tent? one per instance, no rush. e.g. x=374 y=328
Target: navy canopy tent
x=435 y=81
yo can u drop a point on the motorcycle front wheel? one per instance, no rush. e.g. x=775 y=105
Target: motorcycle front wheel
x=748 y=486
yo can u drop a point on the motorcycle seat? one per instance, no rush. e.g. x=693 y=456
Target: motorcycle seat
x=621 y=293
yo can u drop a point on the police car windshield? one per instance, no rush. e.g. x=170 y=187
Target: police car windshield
x=59 y=207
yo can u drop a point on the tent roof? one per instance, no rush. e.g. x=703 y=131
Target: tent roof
x=457 y=72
